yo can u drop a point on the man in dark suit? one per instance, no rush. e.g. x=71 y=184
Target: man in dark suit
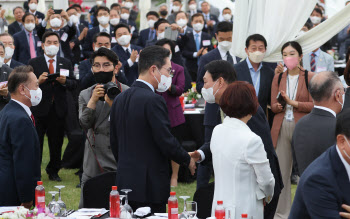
x=192 y=6
x=224 y=38
x=125 y=19
x=149 y=33
x=127 y=52
x=19 y=156
x=227 y=15
x=27 y=42
x=194 y=45
x=17 y=25
x=103 y=18
x=325 y=186
x=314 y=133
x=176 y=7
x=210 y=19
x=219 y=74
x=254 y=71
x=50 y=113
x=133 y=14
x=33 y=5
x=159 y=26
x=140 y=135
x=182 y=21
x=8 y=42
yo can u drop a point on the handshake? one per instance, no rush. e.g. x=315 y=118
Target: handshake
x=195 y=156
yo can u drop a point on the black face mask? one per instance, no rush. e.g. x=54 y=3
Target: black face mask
x=163 y=13
x=103 y=77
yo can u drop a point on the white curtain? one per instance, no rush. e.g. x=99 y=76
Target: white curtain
x=333 y=6
x=42 y=7
x=60 y=4
x=144 y=6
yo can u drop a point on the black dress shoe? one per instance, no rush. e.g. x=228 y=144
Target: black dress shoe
x=54 y=177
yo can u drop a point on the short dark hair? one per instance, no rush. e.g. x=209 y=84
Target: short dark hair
x=342 y=126
x=177 y=1
x=293 y=44
x=197 y=15
x=239 y=100
x=154 y=13
x=71 y=7
x=125 y=8
x=255 y=37
x=18 y=7
x=26 y=15
x=76 y=6
x=227 y=8
x=104 y=52
x=101 y=34
x=323 y=89
x=221 y=68
x=49 y=33
x=115 y=5
x=159 y=22
x=30 y=0
x=18 y=76
x=152 y=55
x=179 y=12
x=120 y=25
x=164 y=41
x=317 y=10
x=101 y=8
x=224 y=26
x=308 y=25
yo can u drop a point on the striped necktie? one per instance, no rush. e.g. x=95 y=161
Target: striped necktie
x=313 y=62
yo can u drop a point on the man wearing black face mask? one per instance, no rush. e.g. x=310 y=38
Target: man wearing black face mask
x=163 y=11
x=94 y=116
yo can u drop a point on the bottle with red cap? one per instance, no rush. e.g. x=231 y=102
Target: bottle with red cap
x=173 y=208
x=220 y=210
x=40 y=195
x=244 y=216
x=114 y=203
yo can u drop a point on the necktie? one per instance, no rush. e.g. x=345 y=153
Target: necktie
x=313 y=62
x=104 y=30
x=229 y=57
x=128 y=52
x=51 y=68
x=31 y=46
x=198 y=44
x=151 y=32
x=32 y=117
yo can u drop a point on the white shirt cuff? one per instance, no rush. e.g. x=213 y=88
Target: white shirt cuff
x=130 y=63
x=44 y=23
x=202 y=156
x=195 y=55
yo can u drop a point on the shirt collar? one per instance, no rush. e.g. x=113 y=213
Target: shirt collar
x=129 y=47
x=223 y=53
x=317 y=53
x=9 y=62
x=148 y=84
x=32 y=12
x=27 y=32
x=108 y=28
x=194 y=33
x=25 y=107
x=326 y=109
x=346 y=164
x=251 y=67
x=48 y=58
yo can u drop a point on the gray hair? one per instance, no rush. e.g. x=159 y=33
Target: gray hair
x=18 y=7
x=322 y=85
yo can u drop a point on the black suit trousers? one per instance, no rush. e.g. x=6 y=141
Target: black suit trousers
x=53 y=127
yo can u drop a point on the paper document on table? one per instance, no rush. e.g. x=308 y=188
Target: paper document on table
x=87 y=213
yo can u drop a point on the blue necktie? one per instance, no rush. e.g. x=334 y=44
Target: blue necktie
x=198 y=44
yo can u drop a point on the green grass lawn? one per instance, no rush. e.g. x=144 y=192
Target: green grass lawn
x=71 y=195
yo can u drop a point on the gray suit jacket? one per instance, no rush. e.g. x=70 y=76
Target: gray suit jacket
x=4 y=74
x=97 y=123
x=313 y=135
x=323 y=63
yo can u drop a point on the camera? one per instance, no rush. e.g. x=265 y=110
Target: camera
x=112 y=90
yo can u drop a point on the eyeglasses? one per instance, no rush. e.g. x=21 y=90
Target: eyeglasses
x=170 y=71
x=104 y=65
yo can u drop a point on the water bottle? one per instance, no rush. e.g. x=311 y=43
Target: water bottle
x=114 y=203
x=244 y=216
x=40 y=195
x=173 y=209
x=76 y=71
x=220 y=210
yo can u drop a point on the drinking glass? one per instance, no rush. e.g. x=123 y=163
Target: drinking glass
x=54 y=207
x=191 y=208
x=63 y=207
x=184 y=215
x=126 y=212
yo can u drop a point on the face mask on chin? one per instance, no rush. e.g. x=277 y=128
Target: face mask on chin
x=346 y=154
x=208 y=94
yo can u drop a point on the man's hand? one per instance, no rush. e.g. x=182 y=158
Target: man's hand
x=343 y=214
x=4 y=91
x=71 y=45
x=210 y=23
x=27 y=205
x=2 y=13
x=64 y=15
x=205 y=51
x=97 y=93
x=199 y=53
x=61 y=79
x=134 y=55
x=279 y=69
x=108 y=100
x=83 y=34
x=192 y=166
x=195 y=155
x=43 y=77
x=48 y=14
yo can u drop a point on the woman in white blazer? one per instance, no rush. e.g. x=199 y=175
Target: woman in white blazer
x=243 y=178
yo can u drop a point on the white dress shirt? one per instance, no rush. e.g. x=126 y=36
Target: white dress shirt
x=199 y=38
x=107 y=28
x=346 y=164
x=9 y=63
x=148 y=84
x=326 y=109
x=131 y=63
x=25 y=107
x=223 y=55
x=54 y=63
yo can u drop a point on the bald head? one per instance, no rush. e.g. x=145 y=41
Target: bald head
x=323 y=85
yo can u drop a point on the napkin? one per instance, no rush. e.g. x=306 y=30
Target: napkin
x=142 y=212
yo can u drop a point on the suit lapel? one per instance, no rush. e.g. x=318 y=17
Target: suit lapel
x=248 y=77
x=102 y=113
x=59 y=64
x=262 y=82
x=341 y=175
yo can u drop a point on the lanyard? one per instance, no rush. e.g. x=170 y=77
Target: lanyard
x=295 y=89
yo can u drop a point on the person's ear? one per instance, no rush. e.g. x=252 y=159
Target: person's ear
x=43 y=46
x=341 y=142
x=116 y=69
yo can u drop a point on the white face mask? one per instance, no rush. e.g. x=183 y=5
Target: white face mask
x=2 y=60
x=103 y=20
x=29 y=26
x=114 y=21
x=164 y=83
x=192 y=7
x=8 y=52
x=99 y=3
x=181 y=22
x=56 y=22
x=161 y=36
x=315 y=19
x=96 y=48
x=208 y=94
x=35 y=96
x=225 y=45
x=342 y=104
x=256 y=56
x=33 y=6
x=176 y=8
x=51 y=50
x=74 y=19
x=227 y=17
x=79 y=15
x=151 y=23
x=124 y=40
x=198 y=27
x=125 y=16
x=129 y=4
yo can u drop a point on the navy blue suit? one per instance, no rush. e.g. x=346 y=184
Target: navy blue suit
x=142 y=144
x=22 y=50
x=15 y=64
x=39 y=15
x=14 y=28
x=19 y=156
x=322 y=189
x=87 y=46
x=266 y=77
x=144 y=37
x=131 y=73
x=135 y=33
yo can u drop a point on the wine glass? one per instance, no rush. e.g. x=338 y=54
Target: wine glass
x=191 y=208
x=63 y=207
x=126 y=212
x=54 y=207
x=183 y=215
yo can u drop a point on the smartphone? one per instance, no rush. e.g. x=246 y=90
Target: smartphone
x=57 y=11
x=281 y=100
x=171 y=34
x=52 y=77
